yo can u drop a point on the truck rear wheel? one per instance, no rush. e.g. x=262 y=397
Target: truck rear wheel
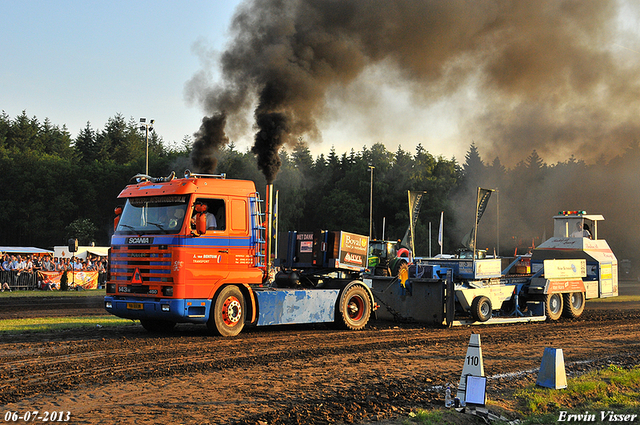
x=355 y=308
x=553 y=306
x=573 y=304
x=227 y=316
x=481 y=309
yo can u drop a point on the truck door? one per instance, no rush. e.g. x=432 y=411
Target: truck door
x=210 y=251
x=242 y=253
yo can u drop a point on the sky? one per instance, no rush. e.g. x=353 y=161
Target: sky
x=85 y=61
x=77 y=61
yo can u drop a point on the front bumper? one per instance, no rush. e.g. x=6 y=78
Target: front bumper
x=173 y=310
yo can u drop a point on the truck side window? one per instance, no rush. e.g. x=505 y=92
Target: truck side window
x=216 y=217
x=221 y=216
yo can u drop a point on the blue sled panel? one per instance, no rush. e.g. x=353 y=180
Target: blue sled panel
x=290 y=306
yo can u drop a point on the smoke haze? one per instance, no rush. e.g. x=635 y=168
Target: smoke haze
x=543 y=73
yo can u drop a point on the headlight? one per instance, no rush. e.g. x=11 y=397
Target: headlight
x=108 y=304
x=165 y=307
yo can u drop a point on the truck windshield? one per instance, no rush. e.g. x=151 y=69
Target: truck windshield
x=157 y=214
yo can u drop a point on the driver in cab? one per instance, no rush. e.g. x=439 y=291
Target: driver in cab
x=211 y=219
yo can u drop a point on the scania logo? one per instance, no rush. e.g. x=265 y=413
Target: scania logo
x=138 y=240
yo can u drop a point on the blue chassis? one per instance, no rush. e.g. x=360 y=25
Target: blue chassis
x=275 y=307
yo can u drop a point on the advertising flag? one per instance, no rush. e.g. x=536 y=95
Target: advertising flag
x=415 y=200
x=440 y=231
x=482 y=199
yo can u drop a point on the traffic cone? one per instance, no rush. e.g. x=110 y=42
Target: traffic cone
x=552 y=373
x=473 y=365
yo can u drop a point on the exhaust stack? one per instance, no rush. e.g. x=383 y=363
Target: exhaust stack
x=269 y=230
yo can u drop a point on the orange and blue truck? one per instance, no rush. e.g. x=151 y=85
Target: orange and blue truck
x=197 y=249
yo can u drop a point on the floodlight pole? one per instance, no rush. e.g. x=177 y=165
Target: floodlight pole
x=371 y=168
x=144 y=126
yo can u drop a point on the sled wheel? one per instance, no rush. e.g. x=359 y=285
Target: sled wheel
x=155 y=325
x=481 y=309
x=227 y=317
x=553 y=306
x=355 y=308
x=573 y=304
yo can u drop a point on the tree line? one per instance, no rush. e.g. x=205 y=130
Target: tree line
x=57 y=187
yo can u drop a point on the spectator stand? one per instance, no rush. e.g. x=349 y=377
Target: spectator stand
x=22 y=279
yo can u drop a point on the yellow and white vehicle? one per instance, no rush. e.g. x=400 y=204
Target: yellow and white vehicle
x=554 y=280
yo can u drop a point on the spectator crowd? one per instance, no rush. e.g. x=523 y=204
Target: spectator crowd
x=20 y=271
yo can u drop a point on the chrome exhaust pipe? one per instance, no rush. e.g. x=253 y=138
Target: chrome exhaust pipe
x=269 y=228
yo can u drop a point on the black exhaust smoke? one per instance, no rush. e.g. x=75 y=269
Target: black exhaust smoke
x=271 y=136
x=209 y=139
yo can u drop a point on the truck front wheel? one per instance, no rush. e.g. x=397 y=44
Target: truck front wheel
x=227 y=317
x=355 y=308
x=573 y=305
x=553 y=306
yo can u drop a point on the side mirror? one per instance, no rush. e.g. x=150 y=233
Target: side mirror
x=116 y=220
x=201 y=223
x=201 y=218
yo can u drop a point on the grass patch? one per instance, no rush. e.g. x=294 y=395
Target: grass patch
x=48 y=324
x=42 y=294
x=428 y=417
x=611 y=389
x=595 y=395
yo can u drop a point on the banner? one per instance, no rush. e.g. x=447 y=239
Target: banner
x=49 y=280
x=82 y=279
x=86 y=280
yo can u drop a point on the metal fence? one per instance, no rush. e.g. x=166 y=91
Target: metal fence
x=19 y=280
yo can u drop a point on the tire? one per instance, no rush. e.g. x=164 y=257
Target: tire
x=354 y=308
x=573 y=304
x=228 y=312
x=553 y=306
x=481 y=309
x=399 y=265
x=381 y=271
x=155 y=325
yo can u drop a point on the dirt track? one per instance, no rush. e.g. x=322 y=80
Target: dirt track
x=301 y=374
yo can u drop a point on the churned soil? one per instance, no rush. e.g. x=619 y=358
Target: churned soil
x=283 y=375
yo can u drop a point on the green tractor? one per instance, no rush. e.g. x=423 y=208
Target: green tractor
x=387 y=258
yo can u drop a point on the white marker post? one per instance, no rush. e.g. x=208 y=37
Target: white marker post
x=473 y=365
x=552 y=373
